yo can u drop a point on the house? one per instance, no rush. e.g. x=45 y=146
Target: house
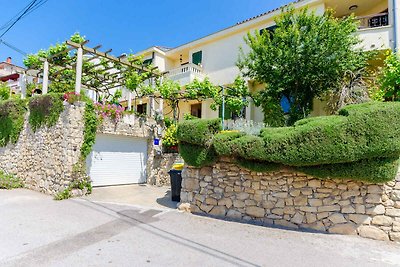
x=215 y=55
x=12 y=75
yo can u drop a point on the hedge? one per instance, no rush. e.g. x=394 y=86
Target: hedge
x=363 y=136
x=12 y=113
x=198 y=131
x=196 y=155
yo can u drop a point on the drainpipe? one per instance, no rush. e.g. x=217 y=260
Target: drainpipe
x=395 y=24
x=223 y=107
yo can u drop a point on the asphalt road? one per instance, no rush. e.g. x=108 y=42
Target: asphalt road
x=37 y=231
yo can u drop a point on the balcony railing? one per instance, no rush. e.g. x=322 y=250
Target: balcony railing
x=374 y=21
x=187 y=71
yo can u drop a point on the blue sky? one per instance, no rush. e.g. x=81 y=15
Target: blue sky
x=124 y=25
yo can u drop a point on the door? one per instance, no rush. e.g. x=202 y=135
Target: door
x=117 y=160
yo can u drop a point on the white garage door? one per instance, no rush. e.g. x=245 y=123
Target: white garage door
x=117 y=160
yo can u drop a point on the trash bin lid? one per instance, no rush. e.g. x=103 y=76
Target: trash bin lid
x=178 y=166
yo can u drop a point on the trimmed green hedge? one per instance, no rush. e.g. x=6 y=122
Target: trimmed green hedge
x=198 y=131
x=362 y=143
x=375 y=170
x=12 y=113
x=196 y=155
x=45 y=110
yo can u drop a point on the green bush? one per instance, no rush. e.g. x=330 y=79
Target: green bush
x=199 y=132
x=12 y=114
x=364 y=136
x=9 y=181
x=222 y=142
x=169 y=138
x=258 y=166
x=376 y=170
x=45 y=110
x=196 y=155
x=367 y=131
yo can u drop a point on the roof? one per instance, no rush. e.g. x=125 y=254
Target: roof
x=166 y=49
x=268 y=12
x=11 y=64
x=163 y=48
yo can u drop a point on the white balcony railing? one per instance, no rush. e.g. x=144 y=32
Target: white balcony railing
x=373 y=21
x=375 y=31
x=186 y=73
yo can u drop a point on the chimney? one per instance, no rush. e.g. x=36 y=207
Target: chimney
x=8 y=60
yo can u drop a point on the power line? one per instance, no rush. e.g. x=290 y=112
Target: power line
x=26 y=8
x=13 y=47
x=13 y=18
x=20 y=16
x=32 y=6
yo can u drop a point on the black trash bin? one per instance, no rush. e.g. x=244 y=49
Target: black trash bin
x=176 y=184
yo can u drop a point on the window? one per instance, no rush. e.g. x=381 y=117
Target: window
x=147 y=62
x=195 y=110
x=197 y=57
x=141 y=108
x=379 y=21
x=270 y=29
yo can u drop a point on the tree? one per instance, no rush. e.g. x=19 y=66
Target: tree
x=389 y=79
x=305 y=56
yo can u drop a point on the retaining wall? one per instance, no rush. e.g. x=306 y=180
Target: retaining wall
x=294 y=200
x=44 y=159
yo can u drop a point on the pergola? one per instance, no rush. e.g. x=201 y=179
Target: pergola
x=105 y=71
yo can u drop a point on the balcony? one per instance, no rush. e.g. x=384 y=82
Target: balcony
x=375 y=31
x=186 y=73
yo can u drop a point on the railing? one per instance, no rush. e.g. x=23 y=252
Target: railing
x=374 y=21
x=188 y=68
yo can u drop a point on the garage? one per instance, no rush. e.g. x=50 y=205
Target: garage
x=117 y=160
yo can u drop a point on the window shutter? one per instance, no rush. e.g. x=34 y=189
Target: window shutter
x=197 y=57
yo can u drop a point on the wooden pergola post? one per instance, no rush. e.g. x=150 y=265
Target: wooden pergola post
x=78 y=78
x=45 y=85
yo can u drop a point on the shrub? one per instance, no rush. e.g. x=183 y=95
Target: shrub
x=222 y=142
x=258 y=166
x=369 y=130
x=377 y=170
x=9 y=181
x=169 y=138
x=11 y=120
x=362 y=143
x=45 y=110
x=196 y=155
x=113 y=111
x=199 y=132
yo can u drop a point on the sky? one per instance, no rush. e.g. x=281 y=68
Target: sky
x=123 y=25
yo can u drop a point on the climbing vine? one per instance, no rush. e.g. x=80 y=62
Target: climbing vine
x=11 y=120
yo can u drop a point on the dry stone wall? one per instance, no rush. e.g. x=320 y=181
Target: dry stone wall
x=44 y=159
x=294 y=200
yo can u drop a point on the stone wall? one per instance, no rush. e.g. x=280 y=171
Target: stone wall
x=161 y=166
x=44 y=159
x=294 y=200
